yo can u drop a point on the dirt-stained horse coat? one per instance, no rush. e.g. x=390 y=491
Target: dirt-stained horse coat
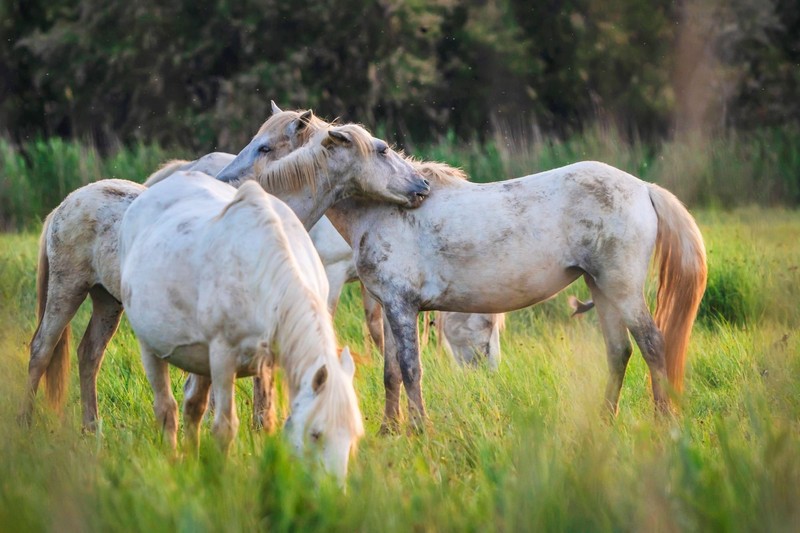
x=537 y=234
x=219 y=282
x=77 y=252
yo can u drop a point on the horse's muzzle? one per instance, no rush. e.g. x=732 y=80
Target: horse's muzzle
x=419 y=194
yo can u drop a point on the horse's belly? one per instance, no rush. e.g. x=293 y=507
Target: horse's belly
x=191 y=358
x=195 y=357
x=500 y=294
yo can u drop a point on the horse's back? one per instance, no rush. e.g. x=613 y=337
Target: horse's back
x=204 y=254
x=83 y=233
x=209 y=164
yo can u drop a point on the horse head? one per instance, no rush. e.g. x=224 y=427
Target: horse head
x=281 y=134
x=325 y=421
x=378 y=171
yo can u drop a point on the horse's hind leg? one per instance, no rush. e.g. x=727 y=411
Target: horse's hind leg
x=628 y=301
x=651 y=343
x=164 y=405
x=106 y=312
x=618 y=345
x=61 y=305
x=264 y=416
x=195 y=402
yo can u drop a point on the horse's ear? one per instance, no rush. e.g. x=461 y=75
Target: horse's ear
x=300 y=123
x=337 y=137
x=319 y=379
x=304 y=120
x=275 y=108
x=348 y=365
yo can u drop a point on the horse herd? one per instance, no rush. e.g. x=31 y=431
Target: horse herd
x=223 y=280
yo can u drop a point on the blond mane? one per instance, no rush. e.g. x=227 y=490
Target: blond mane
x=302 y=167
x=305 y=337
x=281 y=121
x=439 y=173
x=301 y=326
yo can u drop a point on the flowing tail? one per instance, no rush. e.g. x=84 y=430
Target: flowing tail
x=681 y=257
x=57 y=372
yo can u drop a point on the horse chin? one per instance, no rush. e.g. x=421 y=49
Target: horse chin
x=415 y=200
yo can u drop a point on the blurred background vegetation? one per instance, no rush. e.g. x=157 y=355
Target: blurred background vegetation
x=700 y=95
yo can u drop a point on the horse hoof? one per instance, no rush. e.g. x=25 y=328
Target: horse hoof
x=388 y=429
x=416 y=427
x=24 y=419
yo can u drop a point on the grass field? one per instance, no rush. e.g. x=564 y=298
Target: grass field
x=523 y=449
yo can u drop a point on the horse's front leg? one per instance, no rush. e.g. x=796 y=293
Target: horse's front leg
x=223 y=373
x=106 y=312
x=374 y=315
x=392 y=378
x=403 y=323
x=264 y=416
x=164 y=404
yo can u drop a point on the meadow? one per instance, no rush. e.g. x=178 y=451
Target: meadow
x=523 y=449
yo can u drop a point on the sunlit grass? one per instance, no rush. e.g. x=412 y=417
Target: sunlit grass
x=525 y=448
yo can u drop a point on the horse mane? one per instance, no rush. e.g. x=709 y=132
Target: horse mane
x=281 y=121
x=301 y=326
x=249 y=192
x=164 y=171
x=305 y=337
x=360 y=137
x=439 y=173
x=300 y=168
x=333 y=395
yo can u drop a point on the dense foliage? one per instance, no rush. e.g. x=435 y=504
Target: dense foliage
x=199 y=74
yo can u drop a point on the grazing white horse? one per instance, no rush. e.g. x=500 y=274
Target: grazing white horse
x=470 y=337
x=217 y=282
x=78 y=248
x=537 y=235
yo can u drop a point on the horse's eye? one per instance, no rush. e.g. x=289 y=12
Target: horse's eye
x=383 y=150
x=264 y=149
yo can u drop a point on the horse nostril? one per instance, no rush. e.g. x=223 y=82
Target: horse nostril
x=426 y=182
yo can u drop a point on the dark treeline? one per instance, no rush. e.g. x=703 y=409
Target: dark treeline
x=200 y=73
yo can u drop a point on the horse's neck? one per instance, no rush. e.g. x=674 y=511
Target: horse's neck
x=308 y=205
x=304 y=349
x=344 y=215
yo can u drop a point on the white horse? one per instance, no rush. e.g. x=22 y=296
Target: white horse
x=471 y=337
x=78 y=248
x=537 y=234
x=467 y=337
x=215 y=281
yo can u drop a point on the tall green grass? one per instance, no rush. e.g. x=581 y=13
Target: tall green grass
x=760 y=167
x=35 y=178
x=523 y=449
x=737 y=169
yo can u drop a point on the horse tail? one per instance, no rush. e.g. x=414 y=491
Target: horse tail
x=681 y=258
x=164 y=171
x=57 y=371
